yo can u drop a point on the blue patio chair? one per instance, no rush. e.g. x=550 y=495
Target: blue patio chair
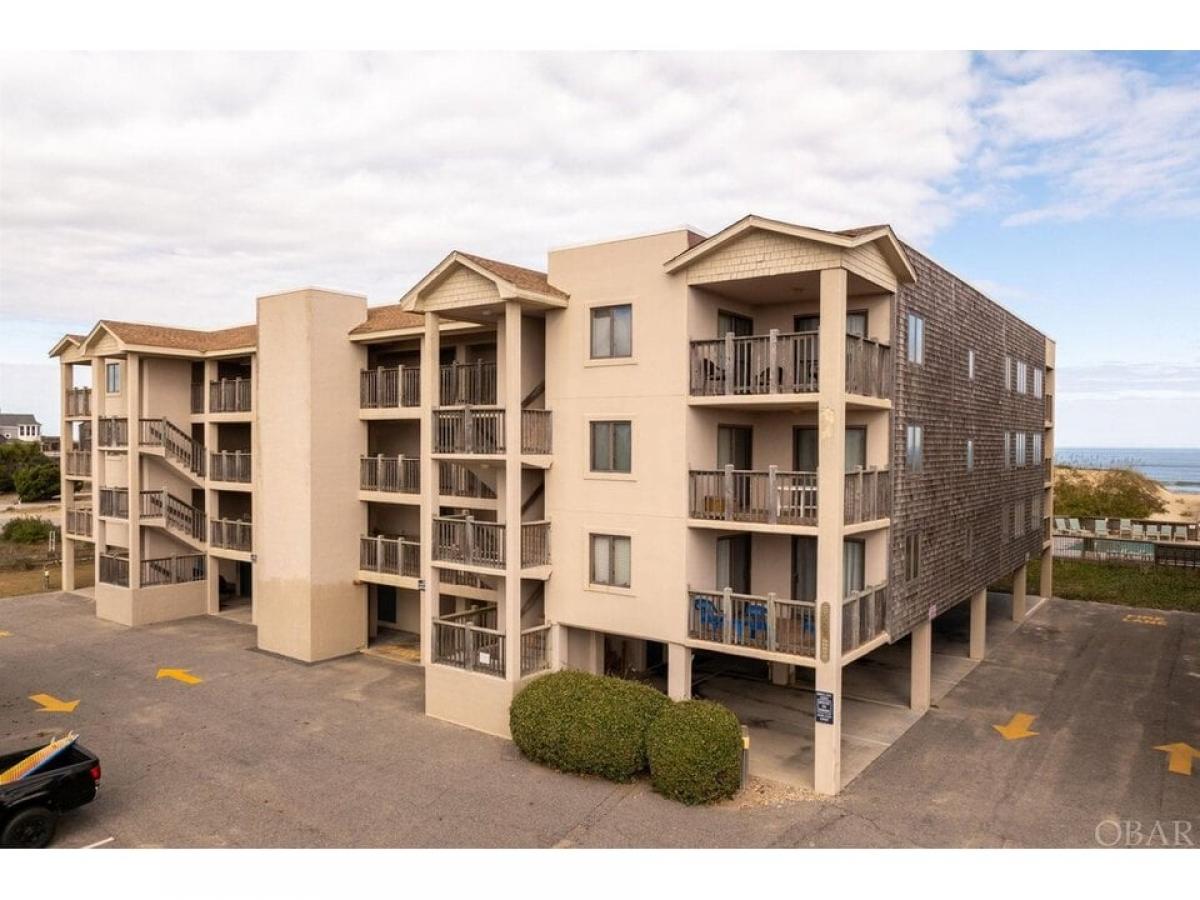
x=711 y=620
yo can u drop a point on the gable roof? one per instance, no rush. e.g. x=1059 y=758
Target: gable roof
x=518 y=276
x=163 y=337
x=388 y=318
x=18 y=419
x=513 y=282
x=848 y=238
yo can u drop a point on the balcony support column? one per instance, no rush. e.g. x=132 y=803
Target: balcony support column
x=831 y=453
x=133 y=455
x=430 y=597
x=979 y=624
x=679 y=672
x=1018 y=593
x=66 y=380
x=212 y=574
x=1046 y=572
x=920 y=686
x=99 y=400
x=510 y=500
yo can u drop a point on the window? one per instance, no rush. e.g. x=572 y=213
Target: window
x=914 y=448
x=1037 y=383
x=971 y=365
x=1022 y=377
x=1008 y=373
x=1035 y=512
x=612 y=331
x=611 y=446
x=1018 y=518
x=912 y=556
x=1007 y=449
x=610 y=560
x=739 y=326
x=856 y=324
x=1037 y=447
x=916 y=339
x=112 y=378
x=856 y=447
x=970 y=455
x=854 y=566
x=1020 y=449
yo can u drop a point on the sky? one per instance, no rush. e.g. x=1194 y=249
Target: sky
x=176 y=188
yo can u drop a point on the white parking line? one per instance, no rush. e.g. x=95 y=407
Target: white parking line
x=98 y=843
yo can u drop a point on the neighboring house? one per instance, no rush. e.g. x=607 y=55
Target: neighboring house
x=777 y=443
x=50 y=446
x=20 y=427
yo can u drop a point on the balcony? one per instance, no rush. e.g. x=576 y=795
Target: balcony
x=229 y=395
x=173 y=570
x=467 y=384
x=390 y=474
x=389 y=556
x=389 y=388
x=113 y=570
x=863 y=616
x=79 y=463
x=177 y=445
x=230 y=466
x=463 y=540
x=768 y=497
x=535 y=649
x=458 y=481
x=78 y=403
x=114 y=503
x=1048 y=471
x=868 y=367
x=775 y=363
x=759 y=622
x=78 y=522
x=231 y=534
x=112 y=433
x=469 y=431
x=868 y=495
x=176 y=515
x=470 y=640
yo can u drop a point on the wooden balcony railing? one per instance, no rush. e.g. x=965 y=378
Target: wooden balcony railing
x=1049 y=408
x=772 y=497
x=470 y=641
x=197 y=397
x=389 y=388
x=868 y=367
x=463 y=540
x=173 y=570
x=1048 y=470
x=393 y=474
x=775 y=363
x=176 y=443
x=868 y=495
x=746 y=620
x=536 y=435
x=78 y=402
x=535 y=544
x=112 y=431
x=863 y=616
x=468 y=430
x=79 y=522
x=456 y=480
x=114 y=502
x=231 y=534
x=535 y=649
x=389 y=556
x=177 y=515
x=227 y=395
x=114 y=570
x=230 y=465
x=79 y=463
x=467 y=384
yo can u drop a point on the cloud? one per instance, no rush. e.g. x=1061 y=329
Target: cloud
x=178 y=187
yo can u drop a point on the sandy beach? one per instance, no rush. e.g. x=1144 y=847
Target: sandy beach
x=1178 y=507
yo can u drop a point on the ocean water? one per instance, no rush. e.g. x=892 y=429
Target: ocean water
x=1176 y=469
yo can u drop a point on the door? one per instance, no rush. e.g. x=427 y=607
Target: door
x=735 y=447
x=804 y=569
x=854 y=557
x=856 y=323
x=856 y=448
x=741 y=326
x=805 y=455
x=737 y=369
x=733 y=563
x=385 y=600
x=245 y=577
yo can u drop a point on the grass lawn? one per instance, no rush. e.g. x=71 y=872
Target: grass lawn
x=24 y=576
x=1153 y=587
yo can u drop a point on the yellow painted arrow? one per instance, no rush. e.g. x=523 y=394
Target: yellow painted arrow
x=1180 y=757
x=183 y=675
x=1017 y=727
x=50 y=703
x=5 y=634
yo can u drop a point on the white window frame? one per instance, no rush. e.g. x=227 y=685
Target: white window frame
x=914 y=448
x=970 y=365
x=611 y=539
x=1037 y=383
x=1007 y=449
x=1019 y=449
x=970 y=454
x=1022 y=377
x=1008 y=361
x=109 y=370
x=1036 y=441
x=608 y=308
x=915 y=350
x=611 y=424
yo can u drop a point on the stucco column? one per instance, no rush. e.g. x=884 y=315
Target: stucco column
x=254 y=510
x=1018 y=594
x=1046 y=573
x=133 y=455
x=831 y=423
x=679 y=672
x=979 y=624
x=66 y=487
x=99 y=532
x=922 y=666
x=213 y=569
x=431 y=348
x=511 y=513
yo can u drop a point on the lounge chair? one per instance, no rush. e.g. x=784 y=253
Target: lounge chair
x=1181 y=533
x=1151 y=532
x=1139 y=530
x=1101 y=528
x=1126 y=528
x=1060 y=524
x=1075 y=527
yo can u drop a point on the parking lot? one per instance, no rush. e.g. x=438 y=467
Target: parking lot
x=266 y=752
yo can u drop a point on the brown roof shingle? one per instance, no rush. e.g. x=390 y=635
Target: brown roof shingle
x=525 y=279
x=388 y=318
x=183 y=338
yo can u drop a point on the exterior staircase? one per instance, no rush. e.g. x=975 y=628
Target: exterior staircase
x=185 y=522
x=180 y=450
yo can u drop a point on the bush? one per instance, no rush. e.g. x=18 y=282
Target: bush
x=1119 y=493
x=38 y=481
x=587 y=724
x=26 y=530
x=17 y=455
x=695 y=752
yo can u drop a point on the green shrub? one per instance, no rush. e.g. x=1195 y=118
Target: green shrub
x=1119 y=493
x=695 y=752
x=26 y=530
x=37 y=481
x=588 y=724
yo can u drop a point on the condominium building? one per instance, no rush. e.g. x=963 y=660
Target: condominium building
x=781 y=443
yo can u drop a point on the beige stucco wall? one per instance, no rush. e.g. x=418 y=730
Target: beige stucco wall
x=143 y=606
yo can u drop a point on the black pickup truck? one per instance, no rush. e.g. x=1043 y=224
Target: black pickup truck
x=29 y=808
